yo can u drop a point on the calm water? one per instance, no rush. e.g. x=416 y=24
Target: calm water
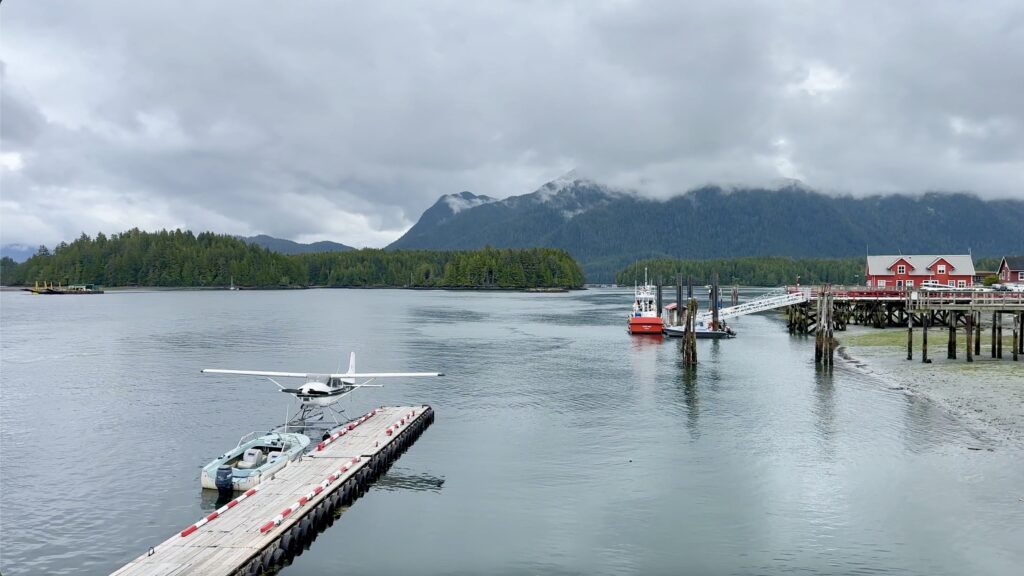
x=561 y=444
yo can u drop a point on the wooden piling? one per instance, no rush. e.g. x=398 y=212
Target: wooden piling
x=999 y=335
x=977 y=333
x=951 y=345
x=970 y=336
x=910 y=336
x=830 y=340
x=819 y=306
x=715 y=299
x=993 y=343
x=689 y=343
x=925 y=321
x=1016 y=335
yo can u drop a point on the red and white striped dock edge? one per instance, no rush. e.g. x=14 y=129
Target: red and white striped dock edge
x=305 y=499
x=220 y=511
x=345 y=429
x=270 y=522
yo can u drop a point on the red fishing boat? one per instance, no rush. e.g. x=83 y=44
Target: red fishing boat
x=645 y=318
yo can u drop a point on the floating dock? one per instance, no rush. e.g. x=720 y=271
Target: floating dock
x=260 y=529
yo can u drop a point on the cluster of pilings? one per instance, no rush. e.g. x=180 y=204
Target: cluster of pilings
x=971 y=322
x=824 y=339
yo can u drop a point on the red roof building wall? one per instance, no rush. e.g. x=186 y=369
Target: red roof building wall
x=896 y=276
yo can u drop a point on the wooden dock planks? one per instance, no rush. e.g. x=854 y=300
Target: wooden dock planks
x=232 y=543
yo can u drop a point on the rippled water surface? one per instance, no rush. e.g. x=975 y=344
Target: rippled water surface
x=561 y=444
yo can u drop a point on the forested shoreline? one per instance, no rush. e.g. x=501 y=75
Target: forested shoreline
x=759 y=270
x=182 y=259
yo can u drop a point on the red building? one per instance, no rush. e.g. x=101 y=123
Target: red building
x=909 y=272
x=1011 y=269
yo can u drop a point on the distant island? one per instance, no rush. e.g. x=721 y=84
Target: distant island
x=179 y=258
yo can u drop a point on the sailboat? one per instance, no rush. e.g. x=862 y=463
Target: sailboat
x=232 y=287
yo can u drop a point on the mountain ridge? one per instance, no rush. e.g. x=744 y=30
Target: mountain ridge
x=285 y=246
x=606 y=228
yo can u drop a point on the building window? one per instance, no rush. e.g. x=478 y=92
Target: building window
x=940 y=269
x=961 y=284
x=910 y=283
x=869 y=282
x=901 y=269
x=1020 y=276
x=881 y=283
x=899 y=283
x=951 y=284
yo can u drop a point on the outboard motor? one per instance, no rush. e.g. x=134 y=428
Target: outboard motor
x=225 y=488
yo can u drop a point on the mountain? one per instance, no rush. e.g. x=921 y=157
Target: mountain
x=282 y=246
x=17 y=252
x=606 y=229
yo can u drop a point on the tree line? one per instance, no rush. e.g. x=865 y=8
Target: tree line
x=758 y=271
x=177 y=258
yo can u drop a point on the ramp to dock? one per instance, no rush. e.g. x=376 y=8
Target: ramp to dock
x=265 y=526
x=763 y=304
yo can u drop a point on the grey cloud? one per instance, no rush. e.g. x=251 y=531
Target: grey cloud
x=346 y=120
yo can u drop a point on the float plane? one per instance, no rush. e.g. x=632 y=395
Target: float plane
x=322 y=391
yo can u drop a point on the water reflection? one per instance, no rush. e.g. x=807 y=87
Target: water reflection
x=402 y=479
x=688 y=374
x=825 y=411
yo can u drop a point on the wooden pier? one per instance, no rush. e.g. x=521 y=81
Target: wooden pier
x=954 y=309
x=269 y=525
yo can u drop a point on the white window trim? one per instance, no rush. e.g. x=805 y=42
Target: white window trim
x=961 y=283
x=951 y=283
x=940 y=269
x=1020 y=276
x=901 y=269
x=910 y=283
x=881 y=283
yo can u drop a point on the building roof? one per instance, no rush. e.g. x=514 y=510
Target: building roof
x=1014 y=262
x=962 y=264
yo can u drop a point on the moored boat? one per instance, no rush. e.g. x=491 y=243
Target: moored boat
x=702 y=331
x=253 y=460
x=645 y=317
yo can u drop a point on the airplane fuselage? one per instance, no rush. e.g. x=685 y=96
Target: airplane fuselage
x=323 y=391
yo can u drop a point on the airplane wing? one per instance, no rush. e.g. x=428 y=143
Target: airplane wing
x=388 y=375
x=257 y=373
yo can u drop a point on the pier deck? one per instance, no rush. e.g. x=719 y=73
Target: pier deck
x=251 y=536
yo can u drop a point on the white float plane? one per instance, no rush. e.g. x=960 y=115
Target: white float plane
x=323 y=390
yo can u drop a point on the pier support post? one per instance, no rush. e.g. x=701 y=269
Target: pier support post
x=951 y=345
x=909 y=336
x=977 y=333
x=993 y=343
x=925 y=320
x=999 y=336
x=970 y=336
x=819 y=305
x=1016 y=335
x=829 y=326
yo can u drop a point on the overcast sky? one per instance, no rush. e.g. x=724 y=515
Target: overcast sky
x=319 y=120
